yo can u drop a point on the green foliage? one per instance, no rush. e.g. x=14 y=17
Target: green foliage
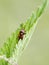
x=14 y=47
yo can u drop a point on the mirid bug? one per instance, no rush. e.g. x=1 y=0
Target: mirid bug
x=21 y=34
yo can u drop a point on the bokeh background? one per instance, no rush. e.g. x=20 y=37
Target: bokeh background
x=12 y=13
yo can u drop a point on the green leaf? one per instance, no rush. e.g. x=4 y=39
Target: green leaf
x=14 y=47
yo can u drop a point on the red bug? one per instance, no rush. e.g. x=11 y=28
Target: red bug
x=21 y=34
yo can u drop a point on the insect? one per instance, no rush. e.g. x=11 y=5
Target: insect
x=21 y=34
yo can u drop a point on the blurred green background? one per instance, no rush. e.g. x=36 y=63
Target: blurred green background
x=12 y=13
